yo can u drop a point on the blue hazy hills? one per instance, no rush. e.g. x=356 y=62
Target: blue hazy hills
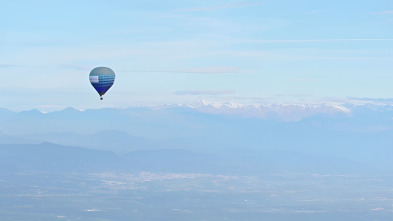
x=166 y=137
x=48 y=157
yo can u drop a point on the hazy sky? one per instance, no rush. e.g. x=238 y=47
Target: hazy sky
x=181 y=51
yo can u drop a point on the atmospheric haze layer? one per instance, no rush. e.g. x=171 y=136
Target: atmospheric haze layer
x=198 y=162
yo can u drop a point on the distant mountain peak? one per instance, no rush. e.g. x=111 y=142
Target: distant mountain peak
x=71 y=109
x=32 y=112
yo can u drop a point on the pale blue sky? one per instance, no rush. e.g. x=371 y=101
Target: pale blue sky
x=183 y=51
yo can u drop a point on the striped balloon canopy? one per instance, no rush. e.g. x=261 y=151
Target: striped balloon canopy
x=102 y=78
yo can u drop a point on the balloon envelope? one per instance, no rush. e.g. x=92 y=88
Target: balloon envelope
x=102 y=79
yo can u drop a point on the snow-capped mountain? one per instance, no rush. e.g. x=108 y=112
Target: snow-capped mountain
x=287 y=112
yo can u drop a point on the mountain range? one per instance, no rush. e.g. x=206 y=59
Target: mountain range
x=357 y=133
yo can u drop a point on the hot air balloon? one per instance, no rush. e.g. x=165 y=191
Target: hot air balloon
x=102 y=78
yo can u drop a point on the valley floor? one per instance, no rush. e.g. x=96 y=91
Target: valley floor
x=194 y=196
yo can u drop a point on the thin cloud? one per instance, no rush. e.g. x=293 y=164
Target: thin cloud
x=320 y=40
x=204 y=92
x=217 y=7
x=390 y=12
x=359 y=100
x=315 y=12
x=251 y=98
x=215 y=70
x=367 y=99
x=299 y=95
x=9 y=66
x=306 y=79
x=205 y=70
x=75 y=67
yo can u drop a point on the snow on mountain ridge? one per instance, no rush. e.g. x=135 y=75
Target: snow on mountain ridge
x=288 y=112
